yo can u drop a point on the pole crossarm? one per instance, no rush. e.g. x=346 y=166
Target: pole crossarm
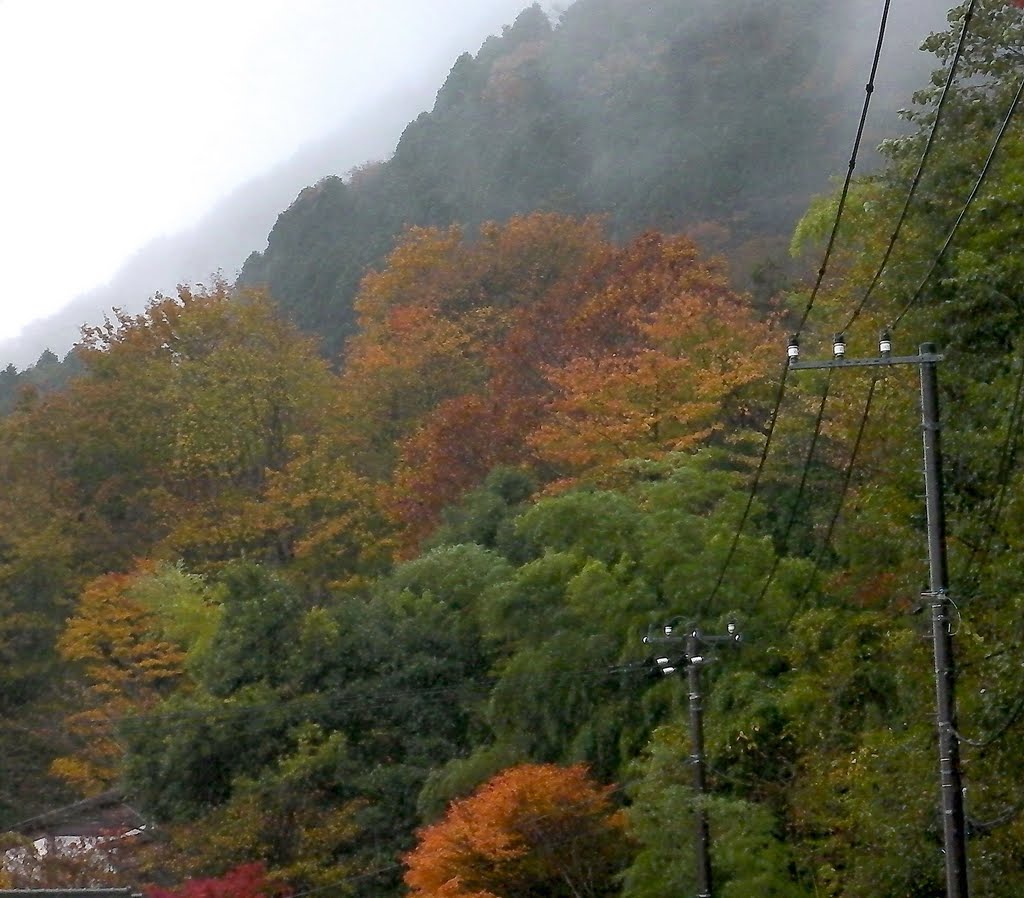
x=877 y=362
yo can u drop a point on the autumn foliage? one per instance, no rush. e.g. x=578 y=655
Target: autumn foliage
x=296 y=605
x=208 y=429
x=244 y=881
x=536 y=829
x=542 y=344
x=126 y=668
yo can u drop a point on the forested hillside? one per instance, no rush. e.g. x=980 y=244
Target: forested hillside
x=717 y=120
x=376 y=628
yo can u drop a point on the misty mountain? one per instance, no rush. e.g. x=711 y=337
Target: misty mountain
x=717 y=119
x=225 y=236
x=675 y=114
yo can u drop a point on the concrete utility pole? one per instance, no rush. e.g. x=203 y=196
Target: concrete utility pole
x=953 y=820
x=954 y=828
x=702 y=829
x=694 y=660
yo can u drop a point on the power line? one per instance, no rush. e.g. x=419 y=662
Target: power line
x=875 y=279
x=1007 y=455
x=950 y=75
x=315 y=703
x=1010 y=720
x=310 y=704
x=939 y=601
x=967 y=205
x=352 y=877
x=869 y=89
x=1013 y=432
x=847 y=474
x=844 y=490
x=1016 y=417
x=796 y=505
x=773 y=416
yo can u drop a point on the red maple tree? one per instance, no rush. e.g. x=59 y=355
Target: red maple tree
x=244 y=881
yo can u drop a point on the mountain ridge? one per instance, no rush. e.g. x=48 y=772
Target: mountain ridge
x=666 y=115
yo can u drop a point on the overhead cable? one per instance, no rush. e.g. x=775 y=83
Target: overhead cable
x=967 y=205
x=869 y=89
x=940 y=107
x=797 y=503
x=843 y=491
x=954 y=64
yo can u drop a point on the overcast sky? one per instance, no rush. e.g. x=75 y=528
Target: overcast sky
x=122 y=120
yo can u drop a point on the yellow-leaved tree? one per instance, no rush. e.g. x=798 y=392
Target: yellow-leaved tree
x=126 y=664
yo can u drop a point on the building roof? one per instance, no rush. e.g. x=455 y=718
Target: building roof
x=69 y=893
x=101 y=815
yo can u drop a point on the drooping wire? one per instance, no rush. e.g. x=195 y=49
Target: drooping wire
x=978 y=557
x=1015 y=426
x=983 y=826
x=1013 y=432
x=310 y=704
x=940 y=106
x=967 y=205
x=316 y=704
x=869 y=89
x=1009 y=721
x=794 y=509
x=344 y=880
x=751 y=495
x=819 y=558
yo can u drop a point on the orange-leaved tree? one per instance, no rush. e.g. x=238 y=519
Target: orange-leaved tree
x=681 y=359
x=327 y=520
x=589 y=305
x=127 y=666
x=640 y=350
x=431 y=320
x=535 y=829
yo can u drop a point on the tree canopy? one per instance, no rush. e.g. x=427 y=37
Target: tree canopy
x=323 y=620
x=533 y=830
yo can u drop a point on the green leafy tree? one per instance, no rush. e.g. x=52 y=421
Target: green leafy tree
x=967 y=301
x=385 y=684
x=748 y=855
x=261 y=613
x=297 y=817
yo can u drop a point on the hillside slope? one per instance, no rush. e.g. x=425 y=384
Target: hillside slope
x=672 y=115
